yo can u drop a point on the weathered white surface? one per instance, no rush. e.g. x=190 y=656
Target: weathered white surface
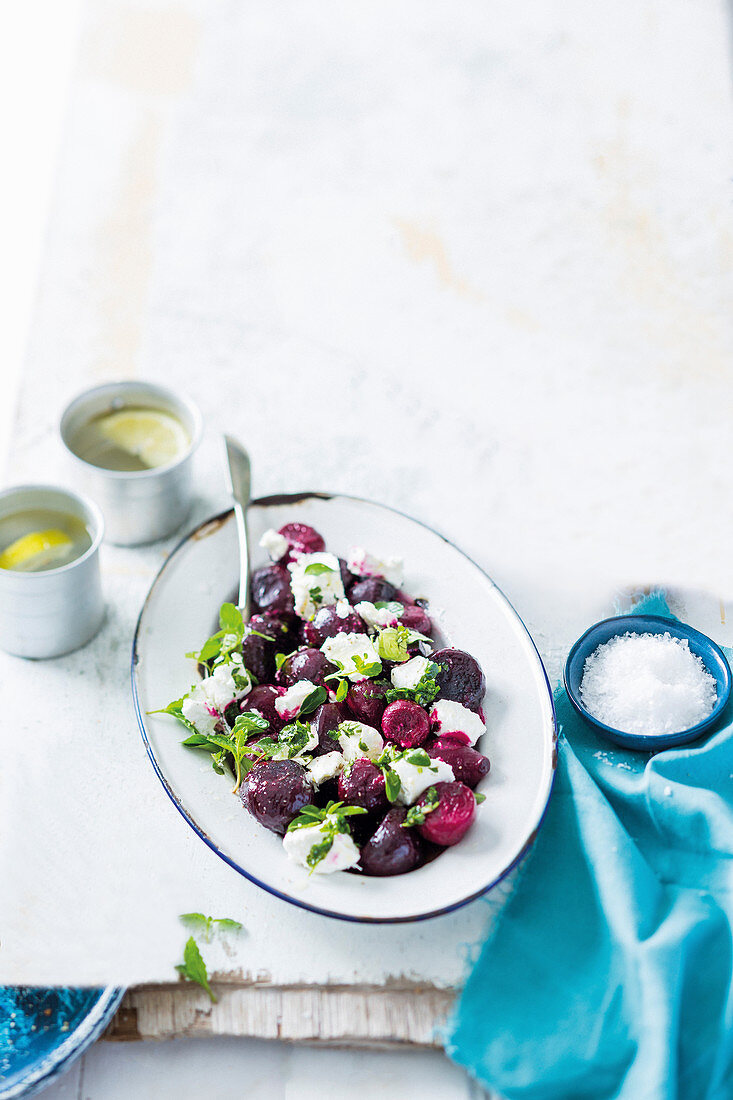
x=477 y=267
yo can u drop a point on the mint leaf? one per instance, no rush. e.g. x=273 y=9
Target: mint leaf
x=392 y=784
x=230 y=619
x=313 y=701
x=175 y=710
x=392 y=644
x=193 y=967
x=479 y=798
x=366 y=668
x=342 y=691
x=317 y=568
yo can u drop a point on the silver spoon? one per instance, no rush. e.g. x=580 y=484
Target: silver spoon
x=240 y=480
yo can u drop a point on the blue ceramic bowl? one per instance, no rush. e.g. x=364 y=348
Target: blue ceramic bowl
x=43 y=1031
x=711 y=655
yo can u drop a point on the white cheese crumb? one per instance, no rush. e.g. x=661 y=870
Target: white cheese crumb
x=368 y=565
x=315 y=589
x=451 y=719
x=342 y=854
x=275 y=544
x=357 y=739
x=343 y=609
x=416 y=779
x=207 y=701
x=409 y=675
x=376 y=617
x=289 y=704
x=343 y=648
x=325 y=767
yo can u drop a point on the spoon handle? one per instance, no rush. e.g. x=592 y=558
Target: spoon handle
x=240 y=478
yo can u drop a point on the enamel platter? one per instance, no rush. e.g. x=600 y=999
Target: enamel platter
x=469 y=612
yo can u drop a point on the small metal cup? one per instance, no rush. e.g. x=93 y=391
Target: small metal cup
x=139 y=506
x=53 y=611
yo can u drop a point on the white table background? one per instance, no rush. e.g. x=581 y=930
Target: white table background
x=544 y=228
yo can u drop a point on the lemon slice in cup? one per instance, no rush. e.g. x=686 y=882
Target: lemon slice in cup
x=150 y=435
x=36 y=550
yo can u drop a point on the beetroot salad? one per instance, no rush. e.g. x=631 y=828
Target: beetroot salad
x=345 y=730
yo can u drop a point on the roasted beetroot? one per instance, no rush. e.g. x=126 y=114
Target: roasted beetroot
x=302 y=539
x=262 y=699
x=460 y=677
x=406 y=724
x=391 y=850
x=469 y=766
x=325 y=721
x=363 y=785
x=373 y=589
x=416 y=619
x=305 y=664
x=327 y=623
x=366 y=700
x=270 y=589
x=449 y=820
x=275 y=792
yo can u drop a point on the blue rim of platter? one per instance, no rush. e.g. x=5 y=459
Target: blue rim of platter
x=294 y=498
x=46 y=1031
x=700 y=644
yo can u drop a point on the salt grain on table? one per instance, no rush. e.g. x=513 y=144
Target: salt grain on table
x=647 y=684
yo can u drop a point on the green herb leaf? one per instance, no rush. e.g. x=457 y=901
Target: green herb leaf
x=175 y=710
x=342 y=691
x=317 y=568
x=479 y=798
x=392 y=644
x=193 y=967
x=424 y=692
x=280 y=659
x=318 y=851
x=313 y=701
x=366 y=668
x=392 y=606
x=249 y=721
x=230 y=619
x=418 y=758
x=392 y=784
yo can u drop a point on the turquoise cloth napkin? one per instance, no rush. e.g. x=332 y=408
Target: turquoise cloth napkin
x=608 y=973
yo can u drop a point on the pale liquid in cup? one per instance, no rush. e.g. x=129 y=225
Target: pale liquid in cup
x=41 y=538
x=130 y=438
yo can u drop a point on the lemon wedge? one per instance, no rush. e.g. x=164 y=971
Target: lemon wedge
x=36 y=550
x=152 y=436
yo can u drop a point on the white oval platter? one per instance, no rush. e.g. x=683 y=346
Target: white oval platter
x=470 y=612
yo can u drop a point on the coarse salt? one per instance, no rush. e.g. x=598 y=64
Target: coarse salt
x=647 y=684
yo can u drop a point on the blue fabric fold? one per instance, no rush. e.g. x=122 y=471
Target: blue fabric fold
x=608 y=972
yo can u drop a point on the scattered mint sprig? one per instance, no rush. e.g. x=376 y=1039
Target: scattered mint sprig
x=193 y=967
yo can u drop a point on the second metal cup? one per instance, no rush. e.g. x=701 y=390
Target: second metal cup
x=139 y=506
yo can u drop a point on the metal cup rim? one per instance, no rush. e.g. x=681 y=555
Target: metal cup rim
x=93 y=510
x=162 y=391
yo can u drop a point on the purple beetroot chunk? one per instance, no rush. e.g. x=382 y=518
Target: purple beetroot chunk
x=305 y=664
x=460 y=677
x=270 y=589
x=262 y=699
x=363 y=785
x=449 y=821
x=373 y=589
x=302 y=539
x=326 y=720
x=275 y=792
x=366 y=701
x=406 y=724
x=347 y=577
x=327 y=623
x=415 y=618
x=469 y=766
x=391 y=850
